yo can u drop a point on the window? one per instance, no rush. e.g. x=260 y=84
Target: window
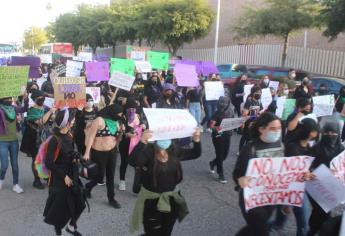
x=279 y=74
x=223 y=68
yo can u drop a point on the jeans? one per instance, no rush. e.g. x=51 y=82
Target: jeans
x=211 y=109
x=11 y=148
x=195 y=110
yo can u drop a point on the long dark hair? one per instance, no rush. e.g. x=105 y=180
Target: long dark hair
x=261 y=122
x=238 y=79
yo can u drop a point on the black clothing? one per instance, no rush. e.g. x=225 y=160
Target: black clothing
x=254 y=106
x=82 y=119
x=194 y=96
x=301 y=93
x=47 y=87
x=153 y=93
x=294 y=148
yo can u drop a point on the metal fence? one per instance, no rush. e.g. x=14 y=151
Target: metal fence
x=313 y=60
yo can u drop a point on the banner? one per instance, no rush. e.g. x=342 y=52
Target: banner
x=12 y=80
x=97 y=71
x=143 y=66
x=326 y=190
x=73 y=68
x=208 y=67
x=232 y=123
x=46 y=58
x=33 y=62
x=69 y=92
x=266 y=97
x=323 y=105
x=121 y=80
x=186 y=75
x=276 y=181
x=214 y=90
x=337 y=167
x=158 y=60
x=95 y=93
x=122 y=65
x=170 y=123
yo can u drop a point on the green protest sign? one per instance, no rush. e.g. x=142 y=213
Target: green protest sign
x=12 y=80
x=158 y=60
x=123 y=65
x=289 y=107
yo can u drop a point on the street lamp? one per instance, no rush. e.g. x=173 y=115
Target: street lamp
x=217 y=35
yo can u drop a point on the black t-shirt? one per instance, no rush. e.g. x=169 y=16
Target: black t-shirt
x=194 y=96
x=153 y=93
x=295 y=149
x=47 y=87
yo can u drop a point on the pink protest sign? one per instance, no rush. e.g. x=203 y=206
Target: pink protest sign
x=208 y=67
x=97 y=71
x=186 y=75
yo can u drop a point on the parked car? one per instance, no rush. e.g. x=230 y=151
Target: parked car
x=333 y=84
x=229 y=73
x=256 y=72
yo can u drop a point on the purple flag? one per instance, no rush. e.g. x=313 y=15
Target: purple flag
x=33 y=62
x=186 y=75
x=197 y=64
x=97 y=71
x=208 y=67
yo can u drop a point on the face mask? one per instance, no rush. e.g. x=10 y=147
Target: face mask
x=266 y=81
x=272 y=137
x=40 y=101
x=306 y=82
x=306 y=112
x=293 y=75
x=311 y=143
x=163 y=144
x=286 y=92
x=322 y=91
x=90 y=104
x=257 y=96
x=330 y=140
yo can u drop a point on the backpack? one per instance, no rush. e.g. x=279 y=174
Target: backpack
x=40 y=159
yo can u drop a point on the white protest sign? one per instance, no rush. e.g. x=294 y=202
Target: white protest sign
x=247 y=89
x=138 y=55
x=73 y=68
x=274 y=84
x=337 y=167
x=280 y=106
x=276 y=181
x=326 y=189
x=121 y=80
x=46 y=58
x=213 y=90
x=170 y=123
x=231 y=123
x=40 y=81
x=266 y=97
x=323 y=105
x=143 y=66
x=84 y=56
x=48 y=102
x=95 y=93
x=144 y=76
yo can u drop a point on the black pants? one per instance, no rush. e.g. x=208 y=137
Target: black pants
x=221 y=145
x=331 y=227
x=256 y=218
x=317 y=218
x=123 y=148
x=106 y=161
x=157 y=223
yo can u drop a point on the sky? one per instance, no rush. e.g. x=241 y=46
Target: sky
x=18 y=15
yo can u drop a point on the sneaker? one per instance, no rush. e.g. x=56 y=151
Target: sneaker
x=114 y=204
x=122 y=185
x=1 y=183
x=16 y=188
x=38 y=184
x=101 y=183
x=222 y=180
x=211 y=167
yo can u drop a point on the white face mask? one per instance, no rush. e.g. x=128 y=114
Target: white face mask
x=293 y=75
x=311 y=143
x=90 y=104
x=286 y=91
x=266 y=81
x=272 y=137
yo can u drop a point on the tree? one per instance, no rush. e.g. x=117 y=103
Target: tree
x=333 y=16
x=34 y=37
x=279 y=18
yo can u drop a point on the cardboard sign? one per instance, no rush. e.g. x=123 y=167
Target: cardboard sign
x=323 y=105
x=213 y=90
x=73 y=68
x=326 y=189
x=280 y=106
x=266 y=97
x=69 y=92
x=97 y=71
x=95 y=93
x=232 y=123
x=122 y=65
x=33 y=62
x=84 y=56
x=136 y=53
x=289 y=107
x=276 y=181
x=121 y=80
x=186 y=75
x=12 y=80
x=46 y=58
x=337 y=167
x=143 y=66
x=208 y=67
x=197 y=64
x=274 y=84
x=170 y=123
x=158 y=60
x=247 y=89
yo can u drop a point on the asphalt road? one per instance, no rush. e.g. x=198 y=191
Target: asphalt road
x=213 y=206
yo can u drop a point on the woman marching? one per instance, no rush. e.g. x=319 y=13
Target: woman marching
x=160 y=202
x=65 y=202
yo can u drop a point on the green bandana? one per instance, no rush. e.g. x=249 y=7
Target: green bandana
x=343 y=99
x=112 y=126
x=35 y=114
x=9 y=112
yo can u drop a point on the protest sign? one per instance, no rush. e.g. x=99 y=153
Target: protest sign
x=197 y=64
x=121 y=80
x=143 y=66
x=73 y=68
x=186 y=75
x=46 y=58
x=214 y=90
x=208 y=67
x=323 y=105
x=33 y=62
x=69 y=92
x=60 y=69
x=266 y=97
x=48 y=102
x=337 y=167
x=84 y=56
x=122 y=65
x=97 y=71
x=101 y=57
x=136 y=53
x=280 y=106
x=95 y=93
x=247 y=89
x=276 y=181
x=12 y=80
x=158 y=60
x=232 y=123
x=170 y=123
x=274 y=84
x=289 y=107
x=326 y=189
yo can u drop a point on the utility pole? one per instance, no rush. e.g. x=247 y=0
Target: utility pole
x=215 y=60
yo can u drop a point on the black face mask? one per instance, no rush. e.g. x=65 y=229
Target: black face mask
x=330 y=140
x=322 y=91
x=257 y=96
x=306 y=112
x=40 y=101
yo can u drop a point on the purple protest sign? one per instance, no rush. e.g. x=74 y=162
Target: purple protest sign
x=33 y=62
x=97 y=71
x=186 y=75
x=101 y=57
x=208 y=67
x=197 y=64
